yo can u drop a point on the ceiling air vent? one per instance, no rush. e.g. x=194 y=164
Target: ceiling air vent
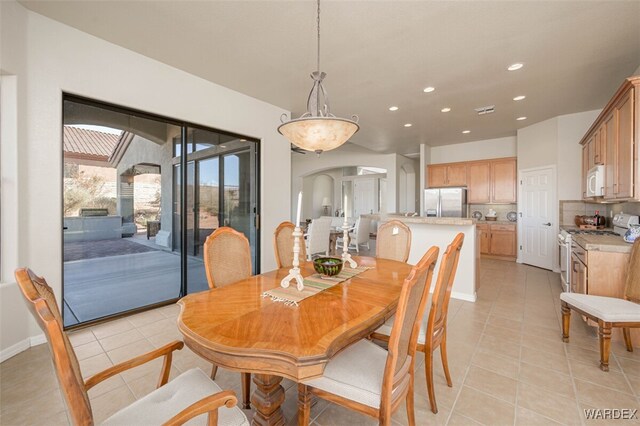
x=486 y=109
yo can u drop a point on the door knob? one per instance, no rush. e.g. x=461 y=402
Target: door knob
x=547 y=224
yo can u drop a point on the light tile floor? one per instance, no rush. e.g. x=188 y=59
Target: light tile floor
x=508 y=364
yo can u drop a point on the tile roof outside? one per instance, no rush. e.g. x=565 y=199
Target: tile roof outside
x=90 y=144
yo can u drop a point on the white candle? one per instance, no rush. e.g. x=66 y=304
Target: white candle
x=299 y=208
x=346 y=212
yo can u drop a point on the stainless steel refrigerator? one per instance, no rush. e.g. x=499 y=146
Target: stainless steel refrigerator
x=445 y=202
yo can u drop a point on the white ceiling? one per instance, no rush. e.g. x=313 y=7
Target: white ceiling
x=383 y=53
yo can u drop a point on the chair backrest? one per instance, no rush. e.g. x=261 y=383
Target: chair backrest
x=393 y=241
x=283 y=245
x=42 y=304
x=227 y=257
x=406 y=327
x=437 y=320
x=632 y=287
x=363 y=228
x=318 y=236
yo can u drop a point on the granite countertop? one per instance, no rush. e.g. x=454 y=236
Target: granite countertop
x=461 y=221
x=496 y=222
x=608 y=243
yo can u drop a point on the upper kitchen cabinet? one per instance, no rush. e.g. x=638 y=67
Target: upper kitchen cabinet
x=613 y=140
x=487 y=181
x=441 y=175
x=479 y=182
x=503 y=181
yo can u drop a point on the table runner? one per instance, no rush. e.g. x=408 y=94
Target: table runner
x=313 y=284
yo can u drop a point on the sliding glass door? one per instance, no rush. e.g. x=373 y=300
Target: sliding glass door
x=141 y=195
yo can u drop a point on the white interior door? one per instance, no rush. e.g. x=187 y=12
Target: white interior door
x=364 y=199
x=537 y=201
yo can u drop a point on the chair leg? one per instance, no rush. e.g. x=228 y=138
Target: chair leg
x=246 y=390
x=445 y=362
x=214 y=371
x=304 y=405
x=604 y=335
x=566 y=321
x=411 y=414
x=626 y=332
x=428 y=368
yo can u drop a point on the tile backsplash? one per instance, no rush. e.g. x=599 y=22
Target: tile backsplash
x=501 y=209
x=569 y=209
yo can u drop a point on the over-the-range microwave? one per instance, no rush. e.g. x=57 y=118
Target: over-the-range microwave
x=595 y=182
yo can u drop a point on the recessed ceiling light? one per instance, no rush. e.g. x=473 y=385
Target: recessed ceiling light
x=519 y=98
x=408 y=125
x=393 y=108
x=521 y=118
x=223 y=146
x=447 y=109
x=466 y=131
x=514 y=67
x=428 y=89
x=243 y=140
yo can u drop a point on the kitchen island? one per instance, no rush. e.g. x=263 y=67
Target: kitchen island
x=440 y=231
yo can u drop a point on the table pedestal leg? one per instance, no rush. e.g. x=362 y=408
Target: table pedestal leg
x=267 y=400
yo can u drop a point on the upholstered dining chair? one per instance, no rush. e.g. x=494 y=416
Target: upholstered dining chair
x=189 y=395
x=359 y=236
x=433 y=330
x=608 y=312
x=227 y=259
x=376 y=387
x=283 y=245
x=393 y=241
x=317 y=237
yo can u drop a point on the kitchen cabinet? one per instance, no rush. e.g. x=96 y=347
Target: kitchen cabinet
x=503 y=181
x=479 y=182
x=488 y=181
x=498 y=240
x=485 y=238
x=443 y=175
x=613 y=141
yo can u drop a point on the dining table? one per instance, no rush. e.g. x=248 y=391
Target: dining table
x=238 y=328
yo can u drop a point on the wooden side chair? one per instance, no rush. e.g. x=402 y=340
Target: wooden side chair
x=369 y=379
x=227 y=259
x=433 y=330
x=283 y=245
x=393 y=241
x=189 y=395
x=608 y=312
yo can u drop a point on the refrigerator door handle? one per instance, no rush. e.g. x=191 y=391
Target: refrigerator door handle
x=439 y=213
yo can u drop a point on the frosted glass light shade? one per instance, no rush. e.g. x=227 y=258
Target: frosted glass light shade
x=318 y=133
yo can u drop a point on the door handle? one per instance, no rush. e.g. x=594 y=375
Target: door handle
x=547 y=224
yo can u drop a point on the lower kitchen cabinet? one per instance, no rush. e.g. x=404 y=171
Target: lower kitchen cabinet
x=498 y=240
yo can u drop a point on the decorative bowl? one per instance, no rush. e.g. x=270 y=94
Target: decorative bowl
x=477 y=215
x=512 y=216
x=632 y=233
x=328 y=266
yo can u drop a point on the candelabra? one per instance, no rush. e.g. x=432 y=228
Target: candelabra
x=294 y=272
x=346 y=256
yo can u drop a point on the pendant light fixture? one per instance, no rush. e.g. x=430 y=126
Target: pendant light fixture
x=317 y=129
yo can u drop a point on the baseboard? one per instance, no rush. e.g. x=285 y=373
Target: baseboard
x=464 y=296
x=22 y=346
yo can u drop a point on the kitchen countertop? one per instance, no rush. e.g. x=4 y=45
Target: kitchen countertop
x=608 y=243
x=461 y=221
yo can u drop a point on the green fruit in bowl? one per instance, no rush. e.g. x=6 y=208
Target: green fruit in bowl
x=328 y=266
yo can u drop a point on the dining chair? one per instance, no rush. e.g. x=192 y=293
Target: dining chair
x=359 y=235
x=189 y=395
x=367 y=378
x=433 y=330
x=283 y=245
x=227 y=259
x=608 y=312
x=393 y=241
x=317 y=237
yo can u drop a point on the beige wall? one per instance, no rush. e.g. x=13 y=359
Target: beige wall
x=49 y=58
x=476 y=150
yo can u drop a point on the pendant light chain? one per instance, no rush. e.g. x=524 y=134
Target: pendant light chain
x=318 y=24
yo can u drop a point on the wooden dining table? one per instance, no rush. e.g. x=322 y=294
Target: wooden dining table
x=235 y=327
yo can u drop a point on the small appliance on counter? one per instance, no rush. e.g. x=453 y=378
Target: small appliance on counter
x=626 y=225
